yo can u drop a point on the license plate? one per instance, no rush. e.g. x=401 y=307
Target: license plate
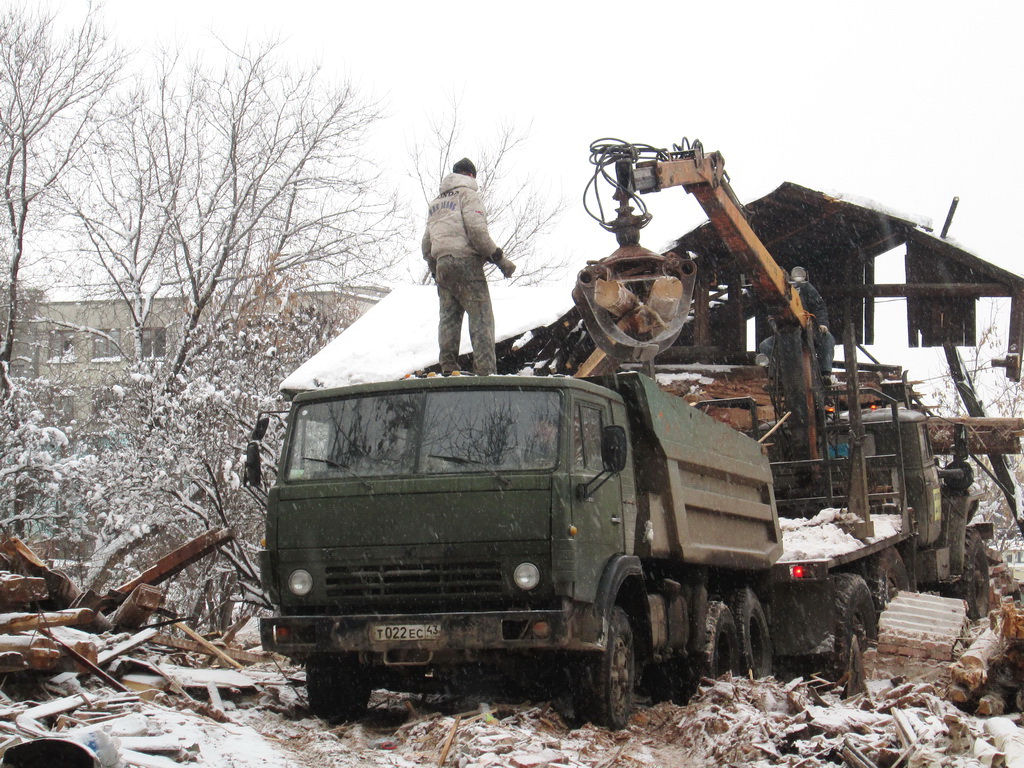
x=405 y=632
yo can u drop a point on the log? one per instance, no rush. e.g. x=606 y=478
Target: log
x=176 y=561
x=21 y=622
x=82 y=644
x=39 y=652
x=1011 y=621
x=972 y=668
x=140 y=605
x=17 y=590
x=991 y=704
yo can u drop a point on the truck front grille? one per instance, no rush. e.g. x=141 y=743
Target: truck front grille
x=360 y=584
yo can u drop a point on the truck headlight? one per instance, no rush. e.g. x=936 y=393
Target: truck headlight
x=300 y=582
x=526 y=576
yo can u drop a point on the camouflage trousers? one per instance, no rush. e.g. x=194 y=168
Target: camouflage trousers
x=462 y=289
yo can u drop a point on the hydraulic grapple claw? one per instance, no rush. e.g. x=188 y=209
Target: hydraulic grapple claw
x=635 y=302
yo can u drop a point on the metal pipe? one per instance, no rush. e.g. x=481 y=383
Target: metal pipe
x=949 y=217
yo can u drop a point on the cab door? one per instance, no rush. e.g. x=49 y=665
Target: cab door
x=598 y=515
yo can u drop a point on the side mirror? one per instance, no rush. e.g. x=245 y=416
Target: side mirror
x=614 y=448
x=260 y=429
x=253 y=467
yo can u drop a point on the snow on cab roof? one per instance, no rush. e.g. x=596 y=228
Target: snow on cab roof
x=398 y=335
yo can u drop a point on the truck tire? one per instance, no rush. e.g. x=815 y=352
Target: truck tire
x=887 y=575
x=855 y=626
x=753 y=639
x=337 y=686
x=603 y=689
x=722 y=651
x=973 y=587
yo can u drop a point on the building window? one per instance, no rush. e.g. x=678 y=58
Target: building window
x=154 y=343
x=62 y=344
x=107 y=347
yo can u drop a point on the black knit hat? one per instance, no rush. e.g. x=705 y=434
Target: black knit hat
x=465 y=167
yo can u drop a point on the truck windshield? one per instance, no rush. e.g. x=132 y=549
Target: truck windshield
x=425 y=433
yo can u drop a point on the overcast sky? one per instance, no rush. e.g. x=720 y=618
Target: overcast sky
x=906 y=103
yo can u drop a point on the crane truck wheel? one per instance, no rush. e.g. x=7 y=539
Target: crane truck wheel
x=337 y=686
x=855 y=625
x=973 y=587
x=753 y=639
x=722 y=652
x=887 y=575
x=603 y=689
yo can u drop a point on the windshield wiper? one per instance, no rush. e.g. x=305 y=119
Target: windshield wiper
x=338 y=465
x=505 y=482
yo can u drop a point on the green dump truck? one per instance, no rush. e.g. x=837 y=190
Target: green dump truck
x=594 y=534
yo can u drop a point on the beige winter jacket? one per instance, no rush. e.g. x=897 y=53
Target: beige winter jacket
x=456 y=222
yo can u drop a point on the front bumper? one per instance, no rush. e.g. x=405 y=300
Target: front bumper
x=301 y=636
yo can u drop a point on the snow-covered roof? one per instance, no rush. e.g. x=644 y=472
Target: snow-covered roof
x=398 y=335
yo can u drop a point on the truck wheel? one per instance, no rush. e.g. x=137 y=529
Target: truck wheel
x=754 y=642
x=887 y=575
x=337 y=686
x=855 y=625
x=603 y=694
x=973 y=587
x=722 y=652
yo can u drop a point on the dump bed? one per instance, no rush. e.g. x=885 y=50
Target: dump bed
x=705 y=491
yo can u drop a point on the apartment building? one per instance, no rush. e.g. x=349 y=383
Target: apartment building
x=77 y=347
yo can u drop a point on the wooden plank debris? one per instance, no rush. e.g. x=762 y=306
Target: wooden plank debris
x=207 y=644
x=125 y=646
x=184 y=644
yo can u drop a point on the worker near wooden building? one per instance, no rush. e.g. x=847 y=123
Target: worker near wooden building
x=824 y=341
x=456 y=246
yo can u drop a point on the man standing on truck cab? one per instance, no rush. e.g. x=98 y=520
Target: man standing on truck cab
x=456 y=245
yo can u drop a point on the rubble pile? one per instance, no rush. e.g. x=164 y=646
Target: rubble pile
x=90 y=674
x=989 y=677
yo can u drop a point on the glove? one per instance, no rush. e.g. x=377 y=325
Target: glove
x=497 y=256
x=507 y=267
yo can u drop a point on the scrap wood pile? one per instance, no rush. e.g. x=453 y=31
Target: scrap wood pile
x=55 y=638
x=989 y=677
x=803 y=723
x=730 y=722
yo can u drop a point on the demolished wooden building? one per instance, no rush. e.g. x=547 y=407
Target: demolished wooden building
x=838 y=241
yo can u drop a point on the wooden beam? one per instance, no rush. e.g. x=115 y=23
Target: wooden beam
x=174 y=562
x=17 y=590
x=21 y=622
x=138 y=607
x=914 y=290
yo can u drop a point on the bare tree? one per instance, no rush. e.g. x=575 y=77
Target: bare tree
x=52 y=83
x=227 y=186
x=519 y=211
